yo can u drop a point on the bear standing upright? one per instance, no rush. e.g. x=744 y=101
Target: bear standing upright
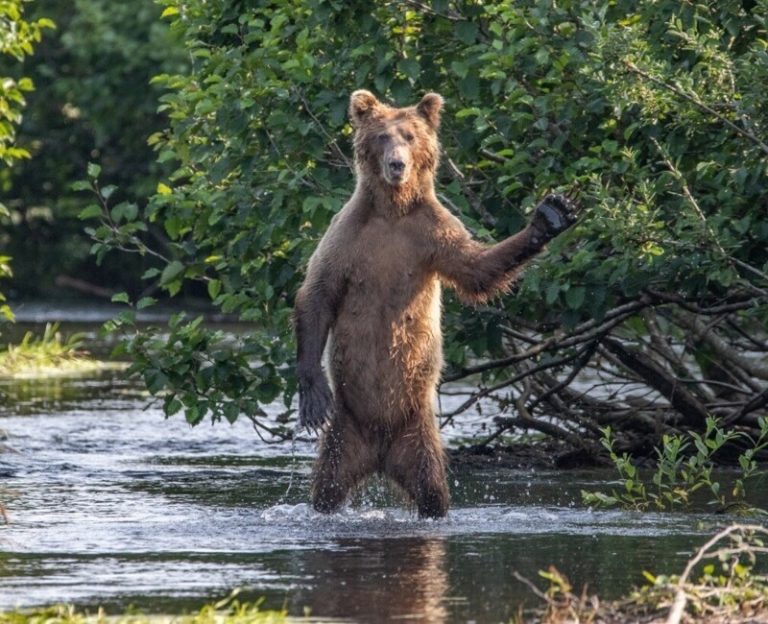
x=372 y=291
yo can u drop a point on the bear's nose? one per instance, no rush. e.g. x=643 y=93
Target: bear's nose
x=396 y=165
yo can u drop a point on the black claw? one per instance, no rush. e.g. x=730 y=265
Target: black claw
x=555 y=214
x=315 y=403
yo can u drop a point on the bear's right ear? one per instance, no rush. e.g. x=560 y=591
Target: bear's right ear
x=362 y=104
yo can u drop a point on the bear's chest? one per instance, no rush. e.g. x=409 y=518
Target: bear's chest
x=390 y=258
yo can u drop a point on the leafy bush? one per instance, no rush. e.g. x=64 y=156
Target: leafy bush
x=92 y=101
x=656 y=300
x=18 y=37
x=684 y=465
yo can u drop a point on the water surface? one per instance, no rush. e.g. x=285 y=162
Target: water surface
x=110 y=504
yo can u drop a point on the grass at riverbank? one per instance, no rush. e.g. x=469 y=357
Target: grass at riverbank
x=228 y=611
x=49 y=355
x=724 y=582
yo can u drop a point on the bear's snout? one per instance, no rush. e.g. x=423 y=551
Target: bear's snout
x=396 y=166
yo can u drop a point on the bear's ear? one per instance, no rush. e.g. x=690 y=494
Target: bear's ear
x=362 y=104
x=429 y=108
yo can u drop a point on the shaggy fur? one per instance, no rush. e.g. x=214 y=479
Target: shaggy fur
x=372 y=292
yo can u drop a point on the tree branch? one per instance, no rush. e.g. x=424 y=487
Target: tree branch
x=693 y=412
x=696 y=102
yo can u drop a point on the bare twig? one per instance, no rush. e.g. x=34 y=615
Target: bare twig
x=560 y=340
x=681 y=596
x=486 y=217
x=508 y=382
x=582 y=360
x=754 y=368
x=693 y=412
x=328 y=136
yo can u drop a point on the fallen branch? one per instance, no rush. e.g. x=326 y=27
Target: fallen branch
x=693 y=412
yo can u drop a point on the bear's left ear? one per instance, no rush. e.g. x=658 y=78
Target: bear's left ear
x=429 y=108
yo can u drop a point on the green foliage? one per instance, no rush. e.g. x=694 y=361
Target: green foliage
x=5 y=272
x=731 y=582
x=653 y=109
x=92 y=101
x=18 y=37
x=684 y=465
x=722 y=582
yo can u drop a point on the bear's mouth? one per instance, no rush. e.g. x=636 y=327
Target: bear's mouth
x=395 y=178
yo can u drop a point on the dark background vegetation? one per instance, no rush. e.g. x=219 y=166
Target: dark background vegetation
x=92 y=101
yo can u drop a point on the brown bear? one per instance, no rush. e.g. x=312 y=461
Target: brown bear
x=372 y=291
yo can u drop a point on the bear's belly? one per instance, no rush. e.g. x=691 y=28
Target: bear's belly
x=385 y=359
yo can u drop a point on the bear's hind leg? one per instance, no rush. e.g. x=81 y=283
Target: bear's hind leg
x=343 y=462
x=416 y=462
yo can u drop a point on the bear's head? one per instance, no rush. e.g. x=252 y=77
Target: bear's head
x=396 y=147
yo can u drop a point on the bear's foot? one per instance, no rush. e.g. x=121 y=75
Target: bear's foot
x=433 y=503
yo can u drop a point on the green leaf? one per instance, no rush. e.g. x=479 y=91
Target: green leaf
x=574 y=297
x=90 y=212
x=81 y=185
x=121 y=298
x=231 y=412
x=145 y=302
x=124 y=211
x=172 y=407
x=410 y=67
x=173 y=270
x=552 y=292
x=214 y=287
x=94 y=171
x=467 y=31
x=107 y=191
x=150 y=273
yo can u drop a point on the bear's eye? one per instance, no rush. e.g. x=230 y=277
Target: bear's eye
x=408 y=136
x=382 y=138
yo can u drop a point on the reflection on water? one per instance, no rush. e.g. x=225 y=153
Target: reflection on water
x=112 y=505
x=378 y=580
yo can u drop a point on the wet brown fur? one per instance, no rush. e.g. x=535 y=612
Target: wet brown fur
x=372 y=292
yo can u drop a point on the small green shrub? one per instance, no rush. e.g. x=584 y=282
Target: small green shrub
x=51 y=350
x=684 y=465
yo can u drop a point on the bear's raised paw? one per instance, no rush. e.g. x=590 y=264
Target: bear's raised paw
x=555 y=214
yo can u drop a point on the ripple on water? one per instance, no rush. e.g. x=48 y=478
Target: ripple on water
x=492 y=519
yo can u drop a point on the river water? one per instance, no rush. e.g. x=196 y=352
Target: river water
x=111 y=505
